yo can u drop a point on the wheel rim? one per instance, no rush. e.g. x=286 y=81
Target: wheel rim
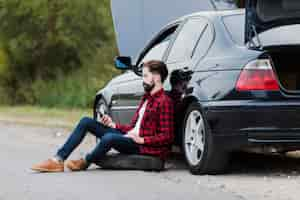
x=194 y=137
x=101 y=109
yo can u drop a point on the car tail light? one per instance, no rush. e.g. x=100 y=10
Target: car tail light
x=258 y=75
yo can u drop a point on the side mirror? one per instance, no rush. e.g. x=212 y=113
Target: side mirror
x=123 y=63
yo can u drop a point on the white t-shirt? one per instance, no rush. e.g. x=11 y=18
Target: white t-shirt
x=137 y=126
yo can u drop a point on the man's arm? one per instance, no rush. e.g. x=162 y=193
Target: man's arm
x=107 y=121
x=165 y=134
x=126 y=127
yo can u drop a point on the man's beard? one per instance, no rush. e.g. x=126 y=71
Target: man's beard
x=148 y=87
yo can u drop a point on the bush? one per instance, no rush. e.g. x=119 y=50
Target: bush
x=49 y=45
x=78 y=89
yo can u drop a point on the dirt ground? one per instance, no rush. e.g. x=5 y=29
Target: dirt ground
x=250 y=176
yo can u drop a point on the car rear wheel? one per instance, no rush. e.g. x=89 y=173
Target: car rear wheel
x=202 y=154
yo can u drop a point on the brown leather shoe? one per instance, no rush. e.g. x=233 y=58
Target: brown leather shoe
x=49 y=165
x=77 y=165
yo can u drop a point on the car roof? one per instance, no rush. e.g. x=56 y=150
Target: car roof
x=208 y=14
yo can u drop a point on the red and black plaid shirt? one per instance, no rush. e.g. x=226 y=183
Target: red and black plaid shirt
x=157 y=125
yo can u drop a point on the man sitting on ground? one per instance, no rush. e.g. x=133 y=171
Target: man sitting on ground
x=149 y=133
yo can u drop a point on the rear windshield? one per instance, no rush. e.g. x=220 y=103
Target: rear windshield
x=283 y=35
x=235 y=25
x=270 y=10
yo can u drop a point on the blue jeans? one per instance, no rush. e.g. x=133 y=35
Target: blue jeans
x=109 y=138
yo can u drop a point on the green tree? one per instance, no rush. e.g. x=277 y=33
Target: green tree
x=45 y=38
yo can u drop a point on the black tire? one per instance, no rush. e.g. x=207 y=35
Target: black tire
x=131 y=162
x=213 y=160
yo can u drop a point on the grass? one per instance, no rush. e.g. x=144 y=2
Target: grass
x=42 y=116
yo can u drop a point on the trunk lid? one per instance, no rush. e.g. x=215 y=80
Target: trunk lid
x=263 y=15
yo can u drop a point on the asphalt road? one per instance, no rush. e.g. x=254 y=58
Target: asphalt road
x=251 y=176
x=22 y=146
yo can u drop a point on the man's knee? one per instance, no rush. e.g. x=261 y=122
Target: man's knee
x=109 y=138
x=85 y=121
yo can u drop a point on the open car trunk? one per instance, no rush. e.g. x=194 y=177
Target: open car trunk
x=286 y=61
x=263 y=15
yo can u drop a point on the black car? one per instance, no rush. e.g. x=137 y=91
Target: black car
x=244 y=93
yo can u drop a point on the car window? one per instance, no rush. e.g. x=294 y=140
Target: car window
x=186 y=40
x=203 y=43
x=283 y=35
x=157 y=52
x=235 y=27
x=159 y=46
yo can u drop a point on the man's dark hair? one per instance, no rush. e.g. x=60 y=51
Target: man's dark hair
x=158 y=67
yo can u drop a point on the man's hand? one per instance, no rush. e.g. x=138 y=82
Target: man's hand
x=136 y=138
x=107 y=121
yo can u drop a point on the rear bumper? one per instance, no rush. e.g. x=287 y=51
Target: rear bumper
x=237 y=124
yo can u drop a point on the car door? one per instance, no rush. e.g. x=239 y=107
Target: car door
x=130 y=92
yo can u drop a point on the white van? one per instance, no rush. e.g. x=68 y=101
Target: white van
x=136 y=21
